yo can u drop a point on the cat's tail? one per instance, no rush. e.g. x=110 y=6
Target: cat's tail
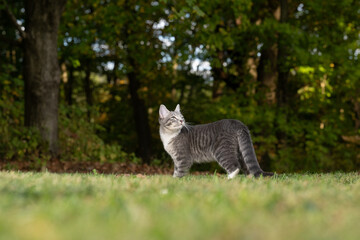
x=248 y=154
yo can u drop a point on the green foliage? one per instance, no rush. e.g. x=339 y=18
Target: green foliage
x=245 y=45
x=17 y=141
x=306 y=145
x=78 y=138
x=61 y=206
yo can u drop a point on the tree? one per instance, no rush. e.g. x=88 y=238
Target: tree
x=40 y=67
x=124 y=35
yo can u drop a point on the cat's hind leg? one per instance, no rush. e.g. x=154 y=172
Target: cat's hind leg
x=228 y=160
x=244 y=169
x=248 y=155
x=233 y=174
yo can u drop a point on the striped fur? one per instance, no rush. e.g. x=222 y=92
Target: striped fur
x=226 y=141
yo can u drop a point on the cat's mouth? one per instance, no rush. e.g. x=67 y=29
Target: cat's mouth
x=180 y=126
x=176 y=127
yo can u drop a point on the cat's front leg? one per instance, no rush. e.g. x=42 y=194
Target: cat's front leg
x=176 y=173
x=181 y=168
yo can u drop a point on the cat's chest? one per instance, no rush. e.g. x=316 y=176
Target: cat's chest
x=168 y=142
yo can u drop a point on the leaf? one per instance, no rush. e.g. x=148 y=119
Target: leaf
x=198 y=11
x=75 y=63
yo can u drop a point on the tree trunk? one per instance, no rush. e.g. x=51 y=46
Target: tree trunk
x=41 y=68
x=268 y=68
x=219 y=75
x=267 y=73
x=140 y=115
x=69 y=87
x=283 y=70
x=357 y=112
x=88 y=91
x=139 y=109
x=282 y=91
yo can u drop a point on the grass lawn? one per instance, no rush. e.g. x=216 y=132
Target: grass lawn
x=88 y=206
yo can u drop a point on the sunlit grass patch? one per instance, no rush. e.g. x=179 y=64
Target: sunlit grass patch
x=88 y=206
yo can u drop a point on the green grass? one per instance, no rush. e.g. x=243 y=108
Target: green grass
x=87 y=206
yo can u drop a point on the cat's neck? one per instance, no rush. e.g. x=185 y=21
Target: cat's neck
x=167 y=135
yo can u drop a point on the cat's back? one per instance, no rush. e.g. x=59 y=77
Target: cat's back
x=221 y=126
x=205 y=140
x=205 y=134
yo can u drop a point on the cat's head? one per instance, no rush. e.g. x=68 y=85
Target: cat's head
x=171 y=120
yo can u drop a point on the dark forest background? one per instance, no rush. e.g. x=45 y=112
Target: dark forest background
x=83 y=80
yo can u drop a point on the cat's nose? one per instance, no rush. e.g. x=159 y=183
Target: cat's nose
x=181 y=121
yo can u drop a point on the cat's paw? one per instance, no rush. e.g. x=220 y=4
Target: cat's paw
x=233 y=174
x=263 y=174
x=178 y=175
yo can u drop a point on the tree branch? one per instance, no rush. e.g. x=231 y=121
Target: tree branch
x=13 y=20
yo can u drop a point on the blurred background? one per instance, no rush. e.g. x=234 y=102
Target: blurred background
x=288 y=69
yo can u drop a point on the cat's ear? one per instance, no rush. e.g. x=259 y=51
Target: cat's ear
x=163 y=111
x=177 y=109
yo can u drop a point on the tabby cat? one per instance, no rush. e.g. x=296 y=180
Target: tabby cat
x=226 y=141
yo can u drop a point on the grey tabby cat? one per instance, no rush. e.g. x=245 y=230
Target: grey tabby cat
x=226 y=141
